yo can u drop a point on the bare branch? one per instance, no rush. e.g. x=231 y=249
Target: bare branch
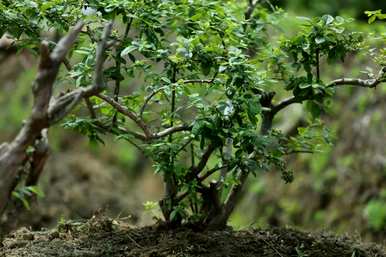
x=141 y=123
x=147 y=100
x=100 y=57
x=370 y=83
x=230 y=204
x=14 y=156
x=251 y=7
x=367 y=83
x=64 y=104
x=270 y=5
x=42 y=87
x=67 y=64
x=170 y=131
x=46 y=111
x=188 y=81
x=90 y=108
x=284 y=103
x=3 y=148
x=38 y=159
x=204 y=159
x=211 y=172
x=128 y=113
x=62 y=47
x=122 y=131
x=235 y=193
x=200 y=81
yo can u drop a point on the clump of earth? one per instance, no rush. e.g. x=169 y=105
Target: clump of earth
x=101 y=236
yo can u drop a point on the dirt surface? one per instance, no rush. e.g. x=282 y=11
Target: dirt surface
x=103 y=237
x=76 y=185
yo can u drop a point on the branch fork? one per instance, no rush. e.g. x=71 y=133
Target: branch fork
x=46 y=110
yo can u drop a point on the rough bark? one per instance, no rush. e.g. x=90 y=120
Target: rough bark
x=47 y=111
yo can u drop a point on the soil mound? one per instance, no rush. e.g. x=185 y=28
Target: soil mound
x=107 y=238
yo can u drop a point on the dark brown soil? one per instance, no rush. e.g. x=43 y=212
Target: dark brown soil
x=102 y=237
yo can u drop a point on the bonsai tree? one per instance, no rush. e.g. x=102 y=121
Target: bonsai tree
x=195 y=85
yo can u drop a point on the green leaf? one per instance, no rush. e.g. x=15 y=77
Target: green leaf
x=372 y=19
x=320 y=40
x=128 y=50
x=36 y=190
x=314 y=108
x=328 y=19
x=253 y=108
x=166 y=80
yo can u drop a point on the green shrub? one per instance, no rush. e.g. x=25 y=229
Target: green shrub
x=196 y=86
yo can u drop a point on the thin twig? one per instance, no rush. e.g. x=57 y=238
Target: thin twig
x=128 y=113
x=100 y=57
x=211 y=172
x=147 y=100
x=367 y=83
x=270 y=5
x=188 y=81
x=204 y=159
x=201 y=81
x=299 y=151
x=317 y=66
x=251 y=7
x=171 y=130
x=135 y=242
x=90 y=108
x=284 y=103
x=273 y=248
x=118 y=68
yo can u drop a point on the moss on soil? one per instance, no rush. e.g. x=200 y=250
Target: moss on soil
x=103 y=237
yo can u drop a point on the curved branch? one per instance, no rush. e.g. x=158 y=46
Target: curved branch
x=219 y=221
x=62 y=47
x=100 y=58
x=13 y=155
x=170 y=131
x=211 y=172
x=147 y=100
x=128 y=113
x=251 y=7
x=187 y=81
x=204 y=159
x=367 y=83
x=199 y=81
x=65 y=103
x=284 y=103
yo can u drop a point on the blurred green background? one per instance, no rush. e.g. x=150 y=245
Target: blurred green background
x=342 y=189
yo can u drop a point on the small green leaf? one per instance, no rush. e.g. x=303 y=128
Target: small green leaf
x=166 y=80
x=128 y=50
x=328 y=19
x=372 y=19
x=320 y=40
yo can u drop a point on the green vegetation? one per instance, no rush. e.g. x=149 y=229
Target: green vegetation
x=206 y=81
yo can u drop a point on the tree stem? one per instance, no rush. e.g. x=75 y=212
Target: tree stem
x=317 y=66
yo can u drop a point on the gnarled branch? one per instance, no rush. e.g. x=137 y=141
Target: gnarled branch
x=46 y=111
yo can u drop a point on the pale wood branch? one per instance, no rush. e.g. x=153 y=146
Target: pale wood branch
x=46 y=110
x=128 y=113
x=366 y=83
x=170 y=131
